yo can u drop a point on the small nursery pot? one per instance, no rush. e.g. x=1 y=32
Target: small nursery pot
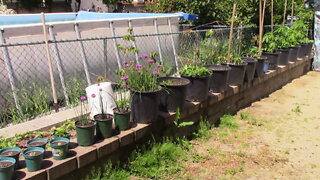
x=273 y=59
x=122 y=119
x=173 y=95
x=6 y=167
x=219 y=77
x=251 y=68
x=33 y=157
x=284 y=56
x=59 y=147
x=293 y=54
x=12 y=152
x=237 y=73
x=309 y=49
x=198 y=89
x=85 y=133
x=38 y=142
x=104 y=125
x=145 y=106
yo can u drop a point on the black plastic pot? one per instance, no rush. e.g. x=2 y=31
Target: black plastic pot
x=251 y=68
x=144 y=106
x=261 y=65
x=198 y=89
x=303 y=50
x=219 y=77
x=284 y=55
x=309 y=49
x=300 y=52
x=273 y=59
x=293 y=54
x=173 y=96
x=237 y=73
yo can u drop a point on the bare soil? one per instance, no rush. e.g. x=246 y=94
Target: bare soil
x=277 y=138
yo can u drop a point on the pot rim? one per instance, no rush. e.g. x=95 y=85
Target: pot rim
x=187 y=81
x=114 y=111
x=146 y=92
x=198 y=77
x=30 y=149
x=212 y=67
x=79 y=126
x=10 y=159
x=241 y=64
x=18 y=149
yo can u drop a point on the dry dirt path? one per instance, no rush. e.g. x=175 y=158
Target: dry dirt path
x=275 y=138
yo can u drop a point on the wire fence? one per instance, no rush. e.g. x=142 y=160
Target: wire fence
x=78 y=62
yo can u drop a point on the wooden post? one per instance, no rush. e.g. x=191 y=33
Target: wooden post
x=292 y=11
x=261 y=26
x=231 y=29
x=53 y=88
x=285 y=11
x=272 y=23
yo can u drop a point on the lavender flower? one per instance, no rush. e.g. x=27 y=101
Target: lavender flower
x=125 y=77
x=155 y=72
x=140 y=57
x=138 y=65
x=83 y=98
x=93 y=95
x=159 y=66
x=100 y=89
x=145 y=55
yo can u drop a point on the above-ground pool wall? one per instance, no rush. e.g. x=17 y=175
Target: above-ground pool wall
x=29 y=60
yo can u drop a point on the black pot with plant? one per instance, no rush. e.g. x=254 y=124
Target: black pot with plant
x=219 y=77
x=262 y=62
x=293 y=55
x=173 y=93
x=237 y=72
x=85 y=127
x=251 y=68
x=199 y=78
x=284 y=56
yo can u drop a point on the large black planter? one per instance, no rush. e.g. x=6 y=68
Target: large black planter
x=309 y=49
x=237 y=73
x=219 y=77
x=262 y=66
x=251 y=68
x=273 y=59
x=144 y=106
x=303 y=50
x=284 y=55
x=300 y=52
x=173 y=94
x=198 y=88
x=293 y=54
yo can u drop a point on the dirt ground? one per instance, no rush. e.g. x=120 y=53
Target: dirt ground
x=277 y=137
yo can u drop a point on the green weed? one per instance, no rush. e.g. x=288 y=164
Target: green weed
x=297 y=110
x=204 y=130
x=228 y=121
x=108 y=172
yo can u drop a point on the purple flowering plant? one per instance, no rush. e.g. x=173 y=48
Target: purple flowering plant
x=102 y=113
x=141 y=77
x=83 y=117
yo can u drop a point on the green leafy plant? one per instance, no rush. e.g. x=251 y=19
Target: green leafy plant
x=269 y=42
x=64 y=130
x=82 y=116
x=6 y=142
x=204 y=130
x=195 y=71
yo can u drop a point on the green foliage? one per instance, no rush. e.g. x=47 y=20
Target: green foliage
x=75 y=89
x=204 y=130
x=269 y=42
x=108 y=172
x=159 y=162
x=177 y=119
x=195 y=71
x=5 y=142
x=228 y=121
x=64 y=130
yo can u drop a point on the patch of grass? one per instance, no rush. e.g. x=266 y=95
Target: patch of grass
x=250 y=120
x=213 y=150
x=228 y=121
x=234 y=171
x=204 y=131
x=108 y=172
x=160 y=161
x=198 y=158
x=241 y=154
x=297 y=109
x=223 y=134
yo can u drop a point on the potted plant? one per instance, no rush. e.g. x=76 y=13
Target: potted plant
x=33 y=157
x=270 y=46
x=298 y=33
x=85 y=127
x=219 y=77
x=103 y=119
x=262 y=62
x=122 y=112
x=13 y=152
x=6 y=167
x=199 y=77
x=283 y=44
x=173 y=94
x=64 y=130
x=59 y=146
x=238 y=71
x=142 y=80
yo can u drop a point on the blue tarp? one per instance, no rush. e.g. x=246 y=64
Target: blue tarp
x=81 y=15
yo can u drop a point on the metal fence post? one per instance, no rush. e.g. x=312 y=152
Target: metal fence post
x=115 y=44
x=83 y=54
x=58 y=61
x=133 y=42
x=173 y=46
x=158 y=39
x=10 y=70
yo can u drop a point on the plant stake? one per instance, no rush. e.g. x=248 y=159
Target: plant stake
x=231 y=29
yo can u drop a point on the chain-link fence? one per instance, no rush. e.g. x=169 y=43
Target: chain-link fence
x=78 y=62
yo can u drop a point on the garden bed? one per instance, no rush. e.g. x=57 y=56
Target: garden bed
x=234 y=98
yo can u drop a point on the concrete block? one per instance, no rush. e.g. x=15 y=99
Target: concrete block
x=85 y=155
x=126 y=137
x=141 y=130
x=107 y=146
x=61 y=167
